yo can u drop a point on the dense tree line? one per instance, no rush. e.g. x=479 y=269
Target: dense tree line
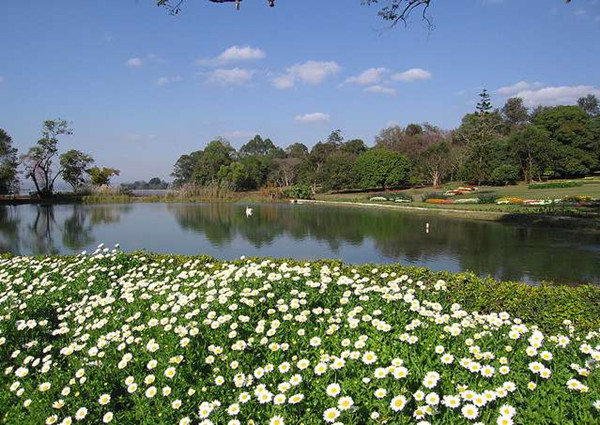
x=493 y=146
x=155 y=183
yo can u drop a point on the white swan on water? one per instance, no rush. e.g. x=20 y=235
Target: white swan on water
x=248 y=211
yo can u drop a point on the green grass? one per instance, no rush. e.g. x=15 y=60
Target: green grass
x=591 y=187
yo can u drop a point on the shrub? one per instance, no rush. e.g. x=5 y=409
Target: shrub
x=488 y=198
x=555 y=185
x=273 y=193
x=299 y=191
x=505 y=174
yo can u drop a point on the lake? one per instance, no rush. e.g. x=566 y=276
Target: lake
x=353 y=234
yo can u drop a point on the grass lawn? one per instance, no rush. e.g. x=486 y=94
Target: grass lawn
x=589 y=188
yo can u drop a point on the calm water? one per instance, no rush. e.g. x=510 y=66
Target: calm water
x=356 y=235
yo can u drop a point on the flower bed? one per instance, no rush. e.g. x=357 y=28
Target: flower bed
x=401 y=198
x=461 y=190
x=136 y=338
x=438 y=201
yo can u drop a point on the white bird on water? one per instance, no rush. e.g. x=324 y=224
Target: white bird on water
x=248 y=211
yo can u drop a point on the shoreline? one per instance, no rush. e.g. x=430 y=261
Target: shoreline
x=504 y=217
x=568 y=222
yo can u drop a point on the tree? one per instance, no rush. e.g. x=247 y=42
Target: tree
x=413 y=130
x=576 y=139
x=216 y=154
x=286 y=170
x=237 y=176
x=338 y=172
x=381 y=168
x=515 y=113
x=505 y=174
x=590 y=105
x=411 y=141
x=354 y=147
x=297 y=150
x=532 y=148
x=335 y=138
x=478 y=131
x=9 y=181
x=393 y=12
x=390 y=138
x=75 y=165
x=484 y=106
x=258 y=146
x=102 y=176
x=184 y=168
x=436 y=163
x=38 y=161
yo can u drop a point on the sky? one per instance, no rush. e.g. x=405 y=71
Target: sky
x=141 y=87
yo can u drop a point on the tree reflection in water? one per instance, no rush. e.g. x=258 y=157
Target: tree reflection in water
x=308 y=231
x=503 y=251
x=40 y=232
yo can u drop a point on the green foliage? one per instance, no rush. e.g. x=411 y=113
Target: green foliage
x=337 y=172
x=555 y=185
x=515 y=113
x=9 y=180
x=382 y=168
x=505 y=174
x=216 y=154
x=575 y=137
x=261 y=147
x=545 y=305
x=75 y=166
x=299 y=191
x=487 y=198
x=590 y=105
x=101 y=176
x=485 y=103
x=184 y=168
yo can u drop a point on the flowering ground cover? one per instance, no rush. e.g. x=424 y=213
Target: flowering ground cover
x=137 y=338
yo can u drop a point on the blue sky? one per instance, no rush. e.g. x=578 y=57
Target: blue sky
x=142 y=87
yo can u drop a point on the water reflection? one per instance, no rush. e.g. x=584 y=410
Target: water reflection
x=53 y=229
x=306 y=231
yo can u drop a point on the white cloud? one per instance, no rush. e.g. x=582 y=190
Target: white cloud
x=227 y=77
x=134 y=63
x=163 y=81
x=563 y=95
x=241 y=53
x=517 y=87
x=232 y=54
x=381 y=90
x=413 y=74
x=310 y=72
x=313 y=117
x=368 y=77
x=239 y=134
